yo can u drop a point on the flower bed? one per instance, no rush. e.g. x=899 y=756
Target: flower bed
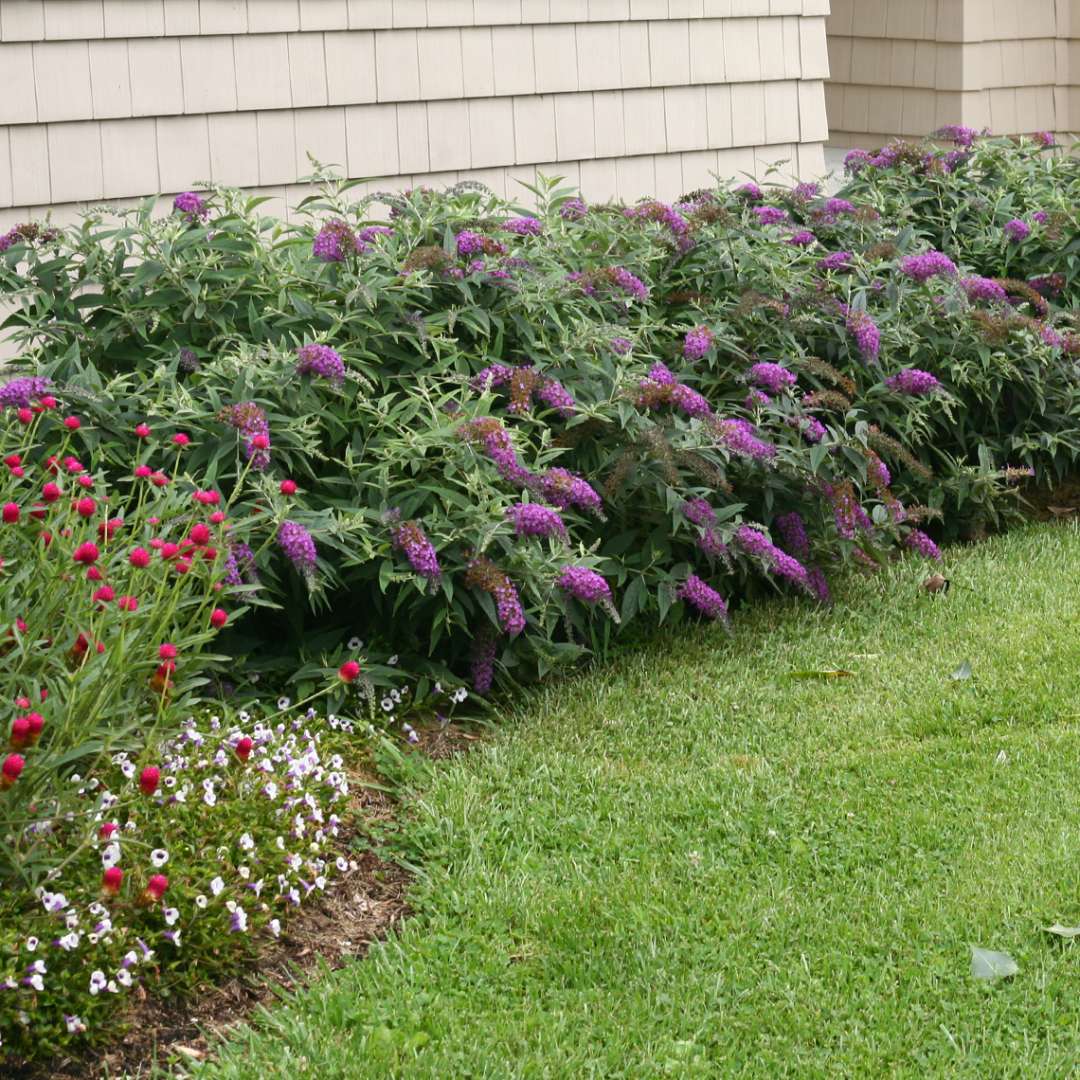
x=472 y=443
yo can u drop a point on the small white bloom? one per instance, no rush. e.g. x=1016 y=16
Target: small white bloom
x=130 y=958
x=246 y=842
x=283 y=703
x=320 y=882
x=200 y=901
x=112 y=987
x=171 y=915
x=97 y=982
x=387 y=704
x=38 y=967
x=111 y=855
x=159 y=857
x=393 y=660
x=128 y=769
x=216 y=886
x=275 y=927
x=243 y=716
x=75 y=1026
x=123 y=977
x=244 y=872
x=31 y=944
x=395 y=696
x=37 y=982
x=341 y=863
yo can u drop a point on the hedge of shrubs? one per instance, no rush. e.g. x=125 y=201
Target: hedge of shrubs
x=470 y=442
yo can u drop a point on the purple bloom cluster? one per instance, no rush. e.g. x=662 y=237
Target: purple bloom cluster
x=955 y=133
x=484 y=574
x=697 y=343
x=321 y=361
x=740 y=437
x=240 y=564
x=802 y=238
x=927 y=265
x=299 y=548
x=192 y=206
x=770 y=215
x=368 y=234
x=533 y=519
x=772 y=377
x=877 y=472
x=250 y=420
x=756 y=543
x=584 y=584
x=555 y=396
x=811 y=429
x=483 y=662
x=981 y=288
x=819 y=585
x=333 y=242
x=690 y=402
x=1017 y=231
x=470 y=243
x=707 y=600
x=922 y=545
x=1045 y=139
x=660 y=212
x=562 y=489
x=573 y=210
x=524 y=226
x=793 y=535
x=855 y=160
x=913 y=381
x=838 y=207
x=806 y=191
x=23 y=391
x=699 y=512
x=848 y=514
x=411 y=539
x=620 y=346
x=866 y=334
x=626 y=281
x=838 y=260
x=750 y=191
x=496 y=443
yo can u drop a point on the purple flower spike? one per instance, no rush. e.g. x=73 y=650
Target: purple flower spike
x=412 y=540
x=772 y=377
x=1017 y=231
x=697 y=343
x=532 y=519
x=914 y=382
x=192 y=206
x=584 y=584
x=922 y=545
x=299 y=548
x=928 y=265
x=321 y=361
x=707 y=600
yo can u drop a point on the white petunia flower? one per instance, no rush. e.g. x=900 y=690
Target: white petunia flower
x=97 y=982
x=216 y=886
x=159 y=857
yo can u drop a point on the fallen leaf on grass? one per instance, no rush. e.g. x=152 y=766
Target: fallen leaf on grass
x=936 y=583
x=1062 y=511
x=829 y=673
x=1063 y=931
x=987 y=964
x=962 y=672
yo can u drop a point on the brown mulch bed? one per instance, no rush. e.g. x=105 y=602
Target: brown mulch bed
x=363 y=907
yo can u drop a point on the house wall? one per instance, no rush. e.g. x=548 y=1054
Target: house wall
x=906 y=67
x=106 y=100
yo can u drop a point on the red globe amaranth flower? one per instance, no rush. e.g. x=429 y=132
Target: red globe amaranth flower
x=217 y=517
x=104 y=595
x=11 y=770
x=183 y=566
x=158 y=479
x=94 y=574
x=142 y=430
x=10 y=513
x=156 y=887
x=86 y=553
x=107 y=529
x=20 y=733
x=260 y=442
x=139 y=557
x=128 y=603
x=143 y=471
x=36 y=724
x=149 y=779
x=86 y=481
x=112 y=879
x=207 y=498
x=180 y=439
x=85 y=507
x=170 y=550
x=218 y=618
x=107 y=829
x=288 y=487
x=22 y=701
x=50 y=492
x=48 y=401
x=200 y=534
x=167 y=652
x=25 y=416
x=72 y=423
x=349 y=671
x=243 y=747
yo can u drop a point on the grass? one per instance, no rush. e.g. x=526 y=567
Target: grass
x=688 y=863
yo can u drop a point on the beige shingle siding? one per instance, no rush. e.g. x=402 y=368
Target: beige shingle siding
x=108 y=99
x=903 y=67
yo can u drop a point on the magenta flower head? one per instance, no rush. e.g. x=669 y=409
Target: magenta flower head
x=697 y=343
x=770 y=215
x=857 y=160
x=584 y=584
x=914 y=382
x=802 y=238
x=922 y=545
x=192 y=206
x=756 y=543
x=334 y=241
x=866 y=334
x=750 y=192
x=928 y=265
x=705 y=599
x=1017 y=231
x=320 y=361
x=524 y=226
x=533 y=519
x=740 y=437
x=299 y=548
x=981 y=288
x=772 y=377
x=562 y=489
x=411 y=539
x=573 y=210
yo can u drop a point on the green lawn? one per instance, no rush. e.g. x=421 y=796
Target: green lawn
x=689 y=863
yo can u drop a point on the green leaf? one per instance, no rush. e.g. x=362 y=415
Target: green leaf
x=987 y=964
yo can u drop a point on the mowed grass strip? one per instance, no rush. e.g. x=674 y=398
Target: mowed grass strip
x=690 y=863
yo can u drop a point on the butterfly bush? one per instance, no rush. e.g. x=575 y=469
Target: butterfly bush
x=620 y=388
